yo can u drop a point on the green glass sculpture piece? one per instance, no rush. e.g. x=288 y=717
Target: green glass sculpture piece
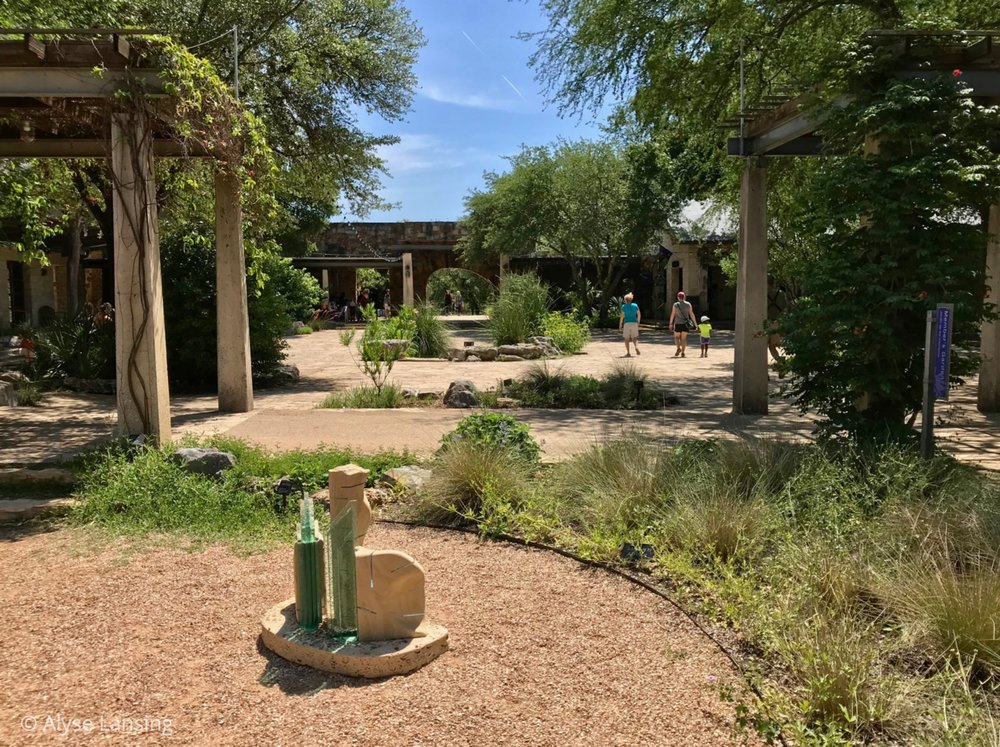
x=309 y=576
x=343 y=612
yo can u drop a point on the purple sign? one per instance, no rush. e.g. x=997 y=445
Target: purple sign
x=942 y=350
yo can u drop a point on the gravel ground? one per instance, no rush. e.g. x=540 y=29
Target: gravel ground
x=543 y=652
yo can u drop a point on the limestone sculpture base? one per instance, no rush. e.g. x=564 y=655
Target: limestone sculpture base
x=281 y=633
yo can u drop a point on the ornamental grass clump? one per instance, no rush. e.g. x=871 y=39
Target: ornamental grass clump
x=430 y=338
x=481 y=472
x=517 y=312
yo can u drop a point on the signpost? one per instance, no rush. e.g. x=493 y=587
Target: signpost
x=937 y=367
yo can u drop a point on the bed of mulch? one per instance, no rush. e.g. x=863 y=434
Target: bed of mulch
x=543 y=652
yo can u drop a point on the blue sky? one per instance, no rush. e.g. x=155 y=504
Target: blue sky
x=477 y=101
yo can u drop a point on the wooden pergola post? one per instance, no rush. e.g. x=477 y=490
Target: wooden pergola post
x=750 y=369
x=232 y=327
x=989 y=372
x=141 y=348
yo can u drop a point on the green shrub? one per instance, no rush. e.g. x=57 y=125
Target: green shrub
x=376 y=356
x=366 y=397
x=80 y=345
x=282 y=295
x=27 y=393
x=143 y=491
x=568 y=334
x=431 y=333
x=517 y=313
x=318 y=324
x=476 y=290
x=544 y=386
x=491 y=429
x=470 y=478
x=306 y=330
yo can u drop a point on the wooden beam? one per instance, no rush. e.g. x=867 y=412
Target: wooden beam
x=34 y=46
x=88 y=148
x=807 y=145
x=121 y=46
x=67 y=82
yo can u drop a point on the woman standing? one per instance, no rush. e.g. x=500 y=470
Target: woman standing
x=628 y=323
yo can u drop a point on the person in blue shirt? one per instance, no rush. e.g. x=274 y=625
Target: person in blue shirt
x=628 y=322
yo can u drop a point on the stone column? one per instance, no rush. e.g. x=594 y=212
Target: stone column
x=141 y=349
x=232 y=325
x=408 y=279
x=750 y=370
x=989 y=372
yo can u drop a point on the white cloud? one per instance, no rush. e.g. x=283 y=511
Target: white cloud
x=481 y=100
x=417 y=152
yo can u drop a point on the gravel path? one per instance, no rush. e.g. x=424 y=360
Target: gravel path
x=543 y=652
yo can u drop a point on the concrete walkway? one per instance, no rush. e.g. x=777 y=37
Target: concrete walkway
x=287 y=418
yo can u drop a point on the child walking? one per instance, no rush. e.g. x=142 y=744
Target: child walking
x=705 y=330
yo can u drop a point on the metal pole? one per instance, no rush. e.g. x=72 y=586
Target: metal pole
x=927 y=425
x=236 y=61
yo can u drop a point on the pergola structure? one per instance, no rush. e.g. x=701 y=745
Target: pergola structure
x=789 y=129
x=59 y=98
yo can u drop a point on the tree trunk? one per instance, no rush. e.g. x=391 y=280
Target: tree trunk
x=612 y=276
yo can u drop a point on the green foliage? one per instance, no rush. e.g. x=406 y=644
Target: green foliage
x=477 y=291
x=471 y=481
x=283 y=295
x=27 y=393
x=897 y=240
x=590 y=203
x=144 y=491
x=568 y=333
x=80 y=345
x=518 y=311
x=865 y=581
x=431 y=333
x=377 y=354
x=304 y=330
x=366 y=397
x=622 y=388
x=494 y=431
x=373 y=280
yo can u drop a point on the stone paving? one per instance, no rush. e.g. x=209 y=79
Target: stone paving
x=288 y=418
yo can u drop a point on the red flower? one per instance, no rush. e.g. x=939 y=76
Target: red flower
x=956 y=72
x=922 y=295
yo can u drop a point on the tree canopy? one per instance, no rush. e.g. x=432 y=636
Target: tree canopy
x=306 y=69
x=591 y=203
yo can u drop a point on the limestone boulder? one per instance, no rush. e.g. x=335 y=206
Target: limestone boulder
x=395 y=348
x=509 y=358
x=484 y=352
x=457 y=354
x=523 y=350
x=410 y=478
x=549 y=349
x=461 y=393
x=287 y=373
x=208 y=462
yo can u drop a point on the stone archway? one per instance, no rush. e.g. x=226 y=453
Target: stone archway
x=477 y=290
